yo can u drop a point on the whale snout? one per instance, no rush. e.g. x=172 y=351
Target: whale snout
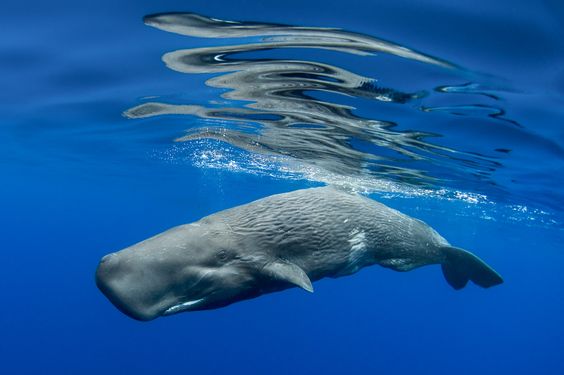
x=113 y=278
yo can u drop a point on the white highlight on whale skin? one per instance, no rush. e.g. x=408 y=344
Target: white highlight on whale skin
x=181 y=307
x=358 y=248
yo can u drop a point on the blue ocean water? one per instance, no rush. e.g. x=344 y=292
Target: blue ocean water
x=119 y=122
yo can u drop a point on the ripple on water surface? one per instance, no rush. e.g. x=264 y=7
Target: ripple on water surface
x=286 y=97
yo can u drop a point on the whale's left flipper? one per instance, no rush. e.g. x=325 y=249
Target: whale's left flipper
x=460 y=266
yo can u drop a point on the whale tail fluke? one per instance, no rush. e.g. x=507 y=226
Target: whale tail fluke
x=460 y=266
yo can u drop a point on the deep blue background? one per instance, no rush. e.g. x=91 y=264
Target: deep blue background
x=77 y=183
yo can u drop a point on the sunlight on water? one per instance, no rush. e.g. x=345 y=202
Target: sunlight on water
x=211 y=154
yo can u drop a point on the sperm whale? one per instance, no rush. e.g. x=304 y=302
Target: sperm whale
x=278 y=242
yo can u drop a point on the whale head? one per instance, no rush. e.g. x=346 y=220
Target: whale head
x=189 y=267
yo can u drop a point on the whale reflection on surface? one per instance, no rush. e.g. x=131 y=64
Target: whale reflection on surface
x=325 y=115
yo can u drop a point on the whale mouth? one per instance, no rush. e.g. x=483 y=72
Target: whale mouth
x=185 y=306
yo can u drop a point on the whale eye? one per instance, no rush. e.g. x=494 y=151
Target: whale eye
x=222 y=255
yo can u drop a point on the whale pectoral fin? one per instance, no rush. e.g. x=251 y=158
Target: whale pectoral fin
x=289 y=272
x=460 y=266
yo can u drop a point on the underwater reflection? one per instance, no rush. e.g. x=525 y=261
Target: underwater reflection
x=282 y=107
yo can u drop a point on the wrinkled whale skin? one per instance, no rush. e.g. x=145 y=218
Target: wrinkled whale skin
x=275 y=243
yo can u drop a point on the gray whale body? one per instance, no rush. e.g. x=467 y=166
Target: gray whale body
x=272 y=244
